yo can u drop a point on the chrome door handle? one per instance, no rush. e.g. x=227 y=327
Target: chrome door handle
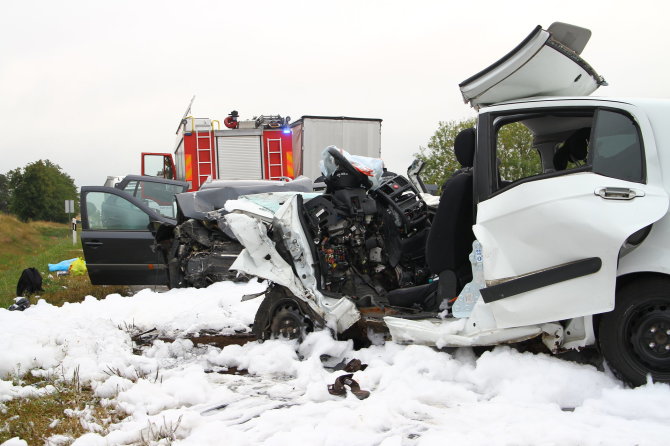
x=94 y=243
x=618 y=193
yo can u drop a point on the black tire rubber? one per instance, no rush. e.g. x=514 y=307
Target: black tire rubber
x=634 y=338
x=289 y=323
x=280 y=304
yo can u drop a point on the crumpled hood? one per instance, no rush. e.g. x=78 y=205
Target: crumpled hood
x=199 y=204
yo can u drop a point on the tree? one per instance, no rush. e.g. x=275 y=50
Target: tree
x=39 y=191
x=514 y=149
x=440 y=161
x=515 y=152
x=4 y=193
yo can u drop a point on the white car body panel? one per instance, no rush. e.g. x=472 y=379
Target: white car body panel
x=653 y=255
x=564 y=220
x=249 y=208
x=542 y=65
x=578 y=333
x=450 y=333
x=260 y=258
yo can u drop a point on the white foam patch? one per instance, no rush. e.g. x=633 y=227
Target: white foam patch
x=418 y=395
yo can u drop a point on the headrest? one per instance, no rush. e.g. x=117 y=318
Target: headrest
x=574 y=148
x=464 y=147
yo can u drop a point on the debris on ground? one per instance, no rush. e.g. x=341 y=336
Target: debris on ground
x=63 y=265
x=30 y=282
x=20 y=304
x=78 y=267
x=339 y=389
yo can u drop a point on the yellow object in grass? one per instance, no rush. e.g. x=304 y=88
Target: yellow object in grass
x=78 y=267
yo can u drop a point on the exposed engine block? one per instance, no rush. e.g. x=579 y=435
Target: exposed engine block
x=370 y=243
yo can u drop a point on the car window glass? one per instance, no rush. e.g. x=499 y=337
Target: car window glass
x=548 y=143
x=131 y=188
x=106 y=211
x=159 y=197
x=154 y=166
x=158 y=165
x=616 y=147
x=516 y=157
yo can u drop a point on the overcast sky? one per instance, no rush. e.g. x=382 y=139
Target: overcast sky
x=89 y=84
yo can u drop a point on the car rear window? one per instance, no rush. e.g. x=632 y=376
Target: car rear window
x=617 y=150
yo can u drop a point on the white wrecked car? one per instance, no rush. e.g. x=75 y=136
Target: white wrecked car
x=577 y=252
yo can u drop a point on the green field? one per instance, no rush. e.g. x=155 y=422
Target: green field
x=36 y=244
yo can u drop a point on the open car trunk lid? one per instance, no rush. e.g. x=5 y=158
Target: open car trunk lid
x=546 y=63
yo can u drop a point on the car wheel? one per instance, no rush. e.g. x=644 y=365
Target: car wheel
x=634 y=338
x=289 y=323
x=282 y=315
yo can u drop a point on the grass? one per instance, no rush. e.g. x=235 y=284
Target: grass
x=65 y=408
x=36 y=244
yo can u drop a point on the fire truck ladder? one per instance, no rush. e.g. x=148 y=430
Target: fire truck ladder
x=272 y=165
x=205 y=153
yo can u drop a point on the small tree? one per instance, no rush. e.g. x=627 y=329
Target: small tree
x=518 y=158
x=439 y=155
x=39 y=191
x=514 y=149
x=4 y=193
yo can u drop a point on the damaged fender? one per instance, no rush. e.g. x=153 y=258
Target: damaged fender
x=260 y=258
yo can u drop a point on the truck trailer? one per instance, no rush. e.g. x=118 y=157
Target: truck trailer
x=312 y=134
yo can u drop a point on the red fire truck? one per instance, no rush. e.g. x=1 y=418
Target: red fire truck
x=255 y=149
x=260 y=148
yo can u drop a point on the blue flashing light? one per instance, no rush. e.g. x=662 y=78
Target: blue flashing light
x=286 y=130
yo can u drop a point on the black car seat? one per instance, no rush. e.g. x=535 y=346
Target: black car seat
x=450 y=238
x=574 y=149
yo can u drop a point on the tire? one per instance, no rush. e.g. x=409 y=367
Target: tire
x=289 y=323
x=282 y=315
x=634 y=338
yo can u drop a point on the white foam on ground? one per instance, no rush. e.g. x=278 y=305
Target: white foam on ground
x=419 y=396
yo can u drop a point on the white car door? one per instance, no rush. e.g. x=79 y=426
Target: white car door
x=551 y=242
x=546 y=63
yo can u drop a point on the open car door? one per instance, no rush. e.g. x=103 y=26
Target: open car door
x=546 y=63
x=552 y=240
x=118 y=244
